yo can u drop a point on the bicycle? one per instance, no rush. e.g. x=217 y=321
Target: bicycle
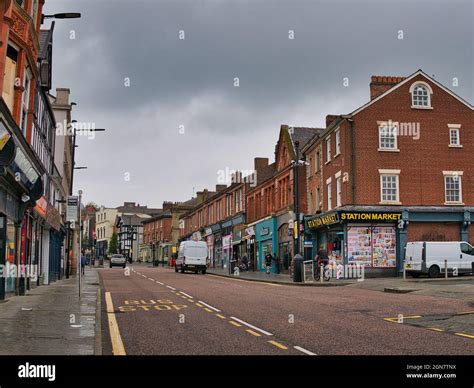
x=317 y=272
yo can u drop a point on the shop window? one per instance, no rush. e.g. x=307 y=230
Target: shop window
x=372 y=246
x=25 y=101
x=453 y=188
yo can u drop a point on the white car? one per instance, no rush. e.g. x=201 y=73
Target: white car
x=118 y=260
x=192 y=256
x=428 y=257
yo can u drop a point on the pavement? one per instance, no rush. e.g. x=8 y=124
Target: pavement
x=147 y=310
x=52 y=319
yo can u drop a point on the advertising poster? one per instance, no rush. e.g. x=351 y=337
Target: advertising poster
x=359 y=245
x=384 y=248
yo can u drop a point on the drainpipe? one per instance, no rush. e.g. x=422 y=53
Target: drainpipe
x=350 y=120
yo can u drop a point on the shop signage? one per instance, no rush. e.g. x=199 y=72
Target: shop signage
x=369 y=216
x=328 y=219
x=71 y=210
x=265 y=231
x=249 y=232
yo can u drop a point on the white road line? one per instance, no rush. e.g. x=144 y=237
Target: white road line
x=305 y=351
x=159 y=282
x=208 y=305
x=189 y=296
x=251 y=326
x=171 y=288
x=151 y=279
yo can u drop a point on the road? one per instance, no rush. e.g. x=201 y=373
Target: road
x=155 y=311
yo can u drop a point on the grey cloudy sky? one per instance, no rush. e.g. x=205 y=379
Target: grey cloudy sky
x=143 y=157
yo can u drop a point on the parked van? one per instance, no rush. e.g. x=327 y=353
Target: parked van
x=192 y=256
x=427 y=257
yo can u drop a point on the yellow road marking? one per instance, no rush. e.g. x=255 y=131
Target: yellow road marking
x=220 y=316
x=254 y=333
x=235 y=323
x=117 y=345
x=199 y=304
x=208 y=310
x=465 y=313
x=400 y=320
x=465 y=335
x=435 y=329
x=278 y=345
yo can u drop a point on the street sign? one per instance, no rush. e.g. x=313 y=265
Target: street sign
x=71 y=210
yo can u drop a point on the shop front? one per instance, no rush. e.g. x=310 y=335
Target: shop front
x=365 y=238
x=286 y=241
x=266 y=239
x=20 y=186
x=250 y=246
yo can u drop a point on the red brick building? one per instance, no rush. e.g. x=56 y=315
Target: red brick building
x=270 y=205
x=219 y=219
x=397 y=169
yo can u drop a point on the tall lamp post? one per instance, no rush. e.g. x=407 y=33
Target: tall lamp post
x=296 y=192
x=79 y=256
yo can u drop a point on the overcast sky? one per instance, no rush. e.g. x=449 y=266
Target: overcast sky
x=187 y=85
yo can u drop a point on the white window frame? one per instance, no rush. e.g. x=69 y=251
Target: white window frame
x=329 y=191
x=328 y=149
x=394 y=125
x=429 y=91
x=452 y=174
x=338 y=142
x=390 y=173
x=455 y=128
x=338 y=177
x=25 y=100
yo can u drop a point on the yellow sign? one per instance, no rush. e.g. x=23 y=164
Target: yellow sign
x=377 y=217
x=4 y=139
x=323 y=220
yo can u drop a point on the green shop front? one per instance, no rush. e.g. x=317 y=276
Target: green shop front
x=366 y=238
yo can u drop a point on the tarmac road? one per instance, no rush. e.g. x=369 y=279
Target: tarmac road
x=155 y=311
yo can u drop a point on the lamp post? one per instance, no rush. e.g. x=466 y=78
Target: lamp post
x=64 y=15
x=79 y=256
x=296 y=191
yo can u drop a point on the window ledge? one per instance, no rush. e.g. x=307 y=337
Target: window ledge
x=327 y=161
x=421 y=107
x=390 y=203
x=455 y=145
x=454 y=203
x=388 y=149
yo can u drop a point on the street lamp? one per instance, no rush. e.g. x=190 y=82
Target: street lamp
x=64 y=15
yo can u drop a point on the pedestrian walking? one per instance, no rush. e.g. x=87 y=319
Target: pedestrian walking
x=83 y=263
x=268 y=261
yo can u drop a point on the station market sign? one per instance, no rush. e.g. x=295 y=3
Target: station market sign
x=343 y=216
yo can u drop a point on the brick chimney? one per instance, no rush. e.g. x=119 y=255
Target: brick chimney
x=380 y=84
x=330 y=119
x=260 y=163
x=62 y=96
x=167 y=205
x=220 y=187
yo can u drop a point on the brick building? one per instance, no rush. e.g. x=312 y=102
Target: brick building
x=396 y=169
x=219 y=219
x=270 y=205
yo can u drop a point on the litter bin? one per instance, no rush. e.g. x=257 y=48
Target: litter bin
x=298 y=268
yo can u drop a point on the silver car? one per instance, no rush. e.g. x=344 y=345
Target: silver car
x=118 y=260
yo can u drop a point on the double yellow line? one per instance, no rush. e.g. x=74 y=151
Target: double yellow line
x=117 y=345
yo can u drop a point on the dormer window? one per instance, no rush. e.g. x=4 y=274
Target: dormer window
x=421 y=95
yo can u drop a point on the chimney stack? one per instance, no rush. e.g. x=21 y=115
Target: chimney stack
x=380 y=84
x=220 y=187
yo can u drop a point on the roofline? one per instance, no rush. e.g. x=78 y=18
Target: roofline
x=408 y=79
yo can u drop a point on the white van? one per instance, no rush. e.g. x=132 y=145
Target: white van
x=427 y=257
x=192 y=256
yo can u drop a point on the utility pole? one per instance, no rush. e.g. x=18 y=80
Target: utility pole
x=297 y=197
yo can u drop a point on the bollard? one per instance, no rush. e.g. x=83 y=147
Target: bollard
x=321 y=273
x=298 y=268
x=404 y=270
x=446 y=269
